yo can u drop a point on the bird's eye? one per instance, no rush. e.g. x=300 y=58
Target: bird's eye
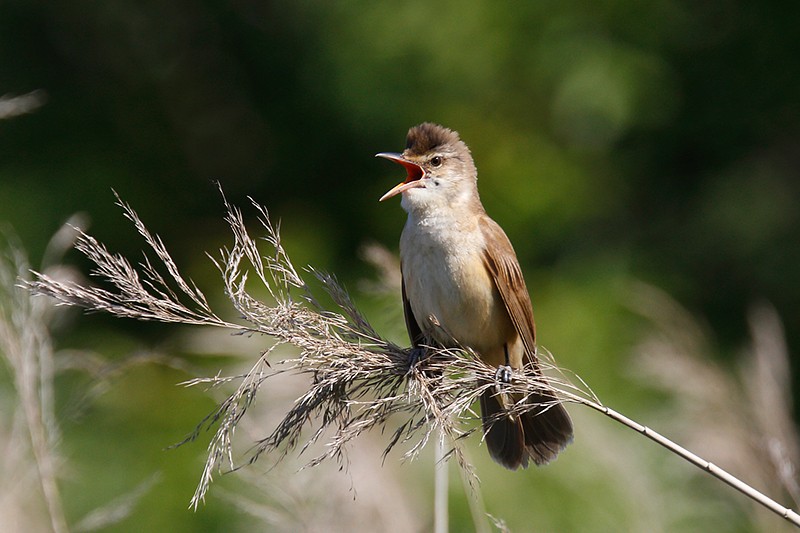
x=436 y=161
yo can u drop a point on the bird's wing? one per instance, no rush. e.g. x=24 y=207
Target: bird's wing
x=414 y=331
x=502 y=264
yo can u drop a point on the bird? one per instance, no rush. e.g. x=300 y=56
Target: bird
x=462 y=286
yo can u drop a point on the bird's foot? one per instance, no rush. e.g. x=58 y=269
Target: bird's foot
x=502 y=380
x=503 y=374
x=415 y=355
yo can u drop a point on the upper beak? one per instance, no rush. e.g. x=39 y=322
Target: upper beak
x=414 y=178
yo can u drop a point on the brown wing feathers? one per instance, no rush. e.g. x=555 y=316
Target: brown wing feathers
x=546 y=429
x=501 y=262
x=414 y=332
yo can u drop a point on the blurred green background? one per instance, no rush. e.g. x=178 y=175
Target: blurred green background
x=643 y=157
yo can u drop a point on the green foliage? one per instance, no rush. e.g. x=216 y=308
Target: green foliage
x=615 y=140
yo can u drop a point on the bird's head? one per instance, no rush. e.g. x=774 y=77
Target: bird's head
x=439 y=166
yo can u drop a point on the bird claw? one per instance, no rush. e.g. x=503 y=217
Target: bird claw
x=503 y=374
x=502 y=378
x=415 y=355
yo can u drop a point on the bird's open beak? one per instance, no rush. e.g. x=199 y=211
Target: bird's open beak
x=414 y=178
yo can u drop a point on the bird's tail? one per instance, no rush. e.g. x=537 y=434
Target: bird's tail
x=539 y=434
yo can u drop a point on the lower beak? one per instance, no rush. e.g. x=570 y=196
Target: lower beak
x=413 y=180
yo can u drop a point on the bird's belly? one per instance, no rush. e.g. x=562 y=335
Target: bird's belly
x=454 y=299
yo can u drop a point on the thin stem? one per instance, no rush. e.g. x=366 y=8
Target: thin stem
x=477 y=507
x=711 y=468
x=440 y=486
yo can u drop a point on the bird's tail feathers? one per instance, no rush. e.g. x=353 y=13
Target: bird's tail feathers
x=538 y=434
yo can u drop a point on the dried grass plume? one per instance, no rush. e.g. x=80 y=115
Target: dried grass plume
x=358 y=381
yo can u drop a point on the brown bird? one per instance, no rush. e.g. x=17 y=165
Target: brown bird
x=463 y=287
